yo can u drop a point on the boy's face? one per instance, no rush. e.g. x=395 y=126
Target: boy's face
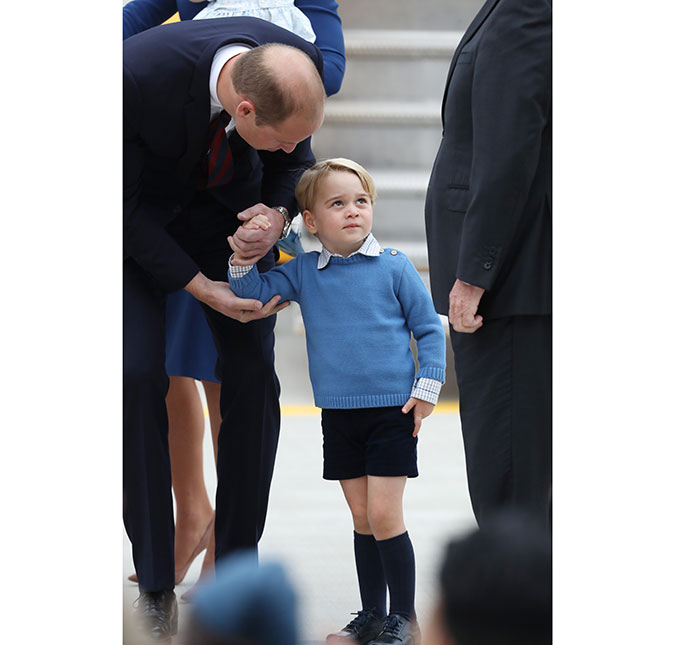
x=342 y=213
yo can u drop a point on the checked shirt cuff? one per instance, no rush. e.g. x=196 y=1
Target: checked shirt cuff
x=426 y=389
x=238 y=271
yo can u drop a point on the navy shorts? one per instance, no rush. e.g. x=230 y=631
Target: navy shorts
x=368 y=441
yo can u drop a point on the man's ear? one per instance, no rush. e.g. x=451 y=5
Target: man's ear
x=308 y=219
x=245 y=109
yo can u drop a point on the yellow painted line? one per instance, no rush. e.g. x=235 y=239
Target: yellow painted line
x=444 y=407
x=299 y=411
x=447 y=407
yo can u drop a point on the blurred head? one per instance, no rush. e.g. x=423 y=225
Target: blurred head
x=336 y=199
x=245 y=604
x=496 y=585
x=280 y=97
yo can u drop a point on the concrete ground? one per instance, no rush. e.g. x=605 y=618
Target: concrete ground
x=308 y=524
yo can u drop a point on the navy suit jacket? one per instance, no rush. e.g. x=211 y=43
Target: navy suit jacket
x=488 y=210
x=166 y=117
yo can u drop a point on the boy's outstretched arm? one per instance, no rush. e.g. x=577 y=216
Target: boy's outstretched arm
x=282 y=281
x=421 y=410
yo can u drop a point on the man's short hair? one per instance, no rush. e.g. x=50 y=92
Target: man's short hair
x=256 y=78
x=496 y=583
x=306 y=189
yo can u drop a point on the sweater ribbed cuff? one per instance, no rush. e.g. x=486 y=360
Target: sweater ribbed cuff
x=436 y=373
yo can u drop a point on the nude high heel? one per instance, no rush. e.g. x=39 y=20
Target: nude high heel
x=201 y=546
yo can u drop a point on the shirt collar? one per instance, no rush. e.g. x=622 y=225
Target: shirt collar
x=370 y=247
x=219 y=59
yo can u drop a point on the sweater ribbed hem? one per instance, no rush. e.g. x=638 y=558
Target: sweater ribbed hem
x=360 y=401
x=437 y=373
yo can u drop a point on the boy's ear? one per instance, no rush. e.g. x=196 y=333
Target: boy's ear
x=308 y=219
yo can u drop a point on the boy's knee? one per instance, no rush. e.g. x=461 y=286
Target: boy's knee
x=360 y=517
x=379 y=518
x=384 y=520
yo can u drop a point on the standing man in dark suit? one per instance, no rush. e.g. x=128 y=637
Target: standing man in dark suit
x=217 y=119
x=488 y=221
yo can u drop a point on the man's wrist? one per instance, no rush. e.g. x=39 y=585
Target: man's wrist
x=200 y=287
x=287 y=220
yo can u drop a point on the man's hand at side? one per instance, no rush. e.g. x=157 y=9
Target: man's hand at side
x=219 y=296
x=463 y=304
x=252 y=244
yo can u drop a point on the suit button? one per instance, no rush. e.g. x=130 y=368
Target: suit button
x=177 y=210
x=487 y=266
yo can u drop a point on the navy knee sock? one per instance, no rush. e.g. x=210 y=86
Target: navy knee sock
x=372 y=583
x=398 y=561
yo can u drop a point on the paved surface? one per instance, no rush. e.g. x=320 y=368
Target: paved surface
x=308 y=525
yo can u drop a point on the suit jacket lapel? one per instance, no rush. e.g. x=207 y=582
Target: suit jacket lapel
x=478 y=20
x=197 y=113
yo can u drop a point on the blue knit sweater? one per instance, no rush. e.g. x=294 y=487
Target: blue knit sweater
x=358 y=312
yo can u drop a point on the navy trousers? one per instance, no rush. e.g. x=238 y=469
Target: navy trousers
x=504 y=380
x=249 y=405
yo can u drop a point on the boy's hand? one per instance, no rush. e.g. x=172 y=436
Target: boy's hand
x=422 y=409
x=258 y=222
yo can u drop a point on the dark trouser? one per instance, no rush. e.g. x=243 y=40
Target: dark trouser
x=249 y=406
x=249 y=432
x=147 y=502
x=504 y=379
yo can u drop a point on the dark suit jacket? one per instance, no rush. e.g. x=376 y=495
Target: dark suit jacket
x=166 y=119
x=488 y=209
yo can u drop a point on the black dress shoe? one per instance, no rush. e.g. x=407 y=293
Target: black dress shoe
x=158 y=613
x=398 y=630
x=366 y=626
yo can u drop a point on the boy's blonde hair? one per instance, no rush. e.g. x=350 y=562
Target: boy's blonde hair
x=311 y=178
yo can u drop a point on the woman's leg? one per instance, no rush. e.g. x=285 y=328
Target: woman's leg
x=186 y=435
x=212 y=392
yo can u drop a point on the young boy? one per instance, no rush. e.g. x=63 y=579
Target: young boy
x=360 y=303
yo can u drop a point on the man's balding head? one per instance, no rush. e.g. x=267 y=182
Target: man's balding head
x=280 y=81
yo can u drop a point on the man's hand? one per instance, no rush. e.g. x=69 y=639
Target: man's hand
x=252 y=244
x=422 y=409
x=219 y=296
x=463 y=301
x=257 y=222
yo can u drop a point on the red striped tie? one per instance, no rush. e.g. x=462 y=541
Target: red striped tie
x=218 y=166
